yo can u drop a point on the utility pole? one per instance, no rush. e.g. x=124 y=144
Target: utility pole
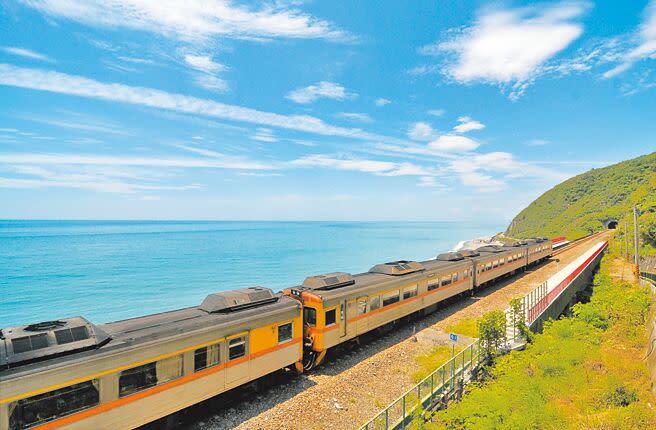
x=626 y=239
x=635 y=239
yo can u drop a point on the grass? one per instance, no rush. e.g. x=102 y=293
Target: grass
x=466 y=327
x=581 y=372
x=432 y=361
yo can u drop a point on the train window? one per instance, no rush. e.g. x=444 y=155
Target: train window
x=433 y=284
x=390 y=298
x=454 y=277
x=237 y=347
x=374 y=303
x=409 y=292
x=488 y=266
x=362 y=305
x=465 y=274
x=52 y=405
x=285 y=332
x=446 y=280
x=502 y=262
x=331 y=317
x=149 y=375
x=207 y=356
x=310 y=316
x=495 y=264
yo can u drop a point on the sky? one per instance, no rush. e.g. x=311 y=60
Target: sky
x=315 y=110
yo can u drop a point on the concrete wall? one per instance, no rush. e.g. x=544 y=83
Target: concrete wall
x=568 y=295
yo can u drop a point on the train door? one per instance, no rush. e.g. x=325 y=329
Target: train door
x=342 y=318
x=362 y=323
x=238 y=363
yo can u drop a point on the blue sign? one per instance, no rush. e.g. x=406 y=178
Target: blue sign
x=453 y=337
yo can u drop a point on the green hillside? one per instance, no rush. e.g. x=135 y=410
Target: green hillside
x=585 y=202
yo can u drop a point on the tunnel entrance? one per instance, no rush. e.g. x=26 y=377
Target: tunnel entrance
x=611 y=224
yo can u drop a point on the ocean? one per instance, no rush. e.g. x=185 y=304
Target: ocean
x=112 y=270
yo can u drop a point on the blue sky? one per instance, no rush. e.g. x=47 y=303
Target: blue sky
x=386 y=110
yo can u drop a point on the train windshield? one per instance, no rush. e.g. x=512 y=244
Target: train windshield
x=310 y=316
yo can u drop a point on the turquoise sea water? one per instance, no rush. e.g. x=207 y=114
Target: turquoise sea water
x=110 y=270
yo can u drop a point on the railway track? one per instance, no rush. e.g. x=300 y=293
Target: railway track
x=577 y=242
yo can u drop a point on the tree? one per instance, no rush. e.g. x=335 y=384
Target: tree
x=492 y=332
x=518 y=319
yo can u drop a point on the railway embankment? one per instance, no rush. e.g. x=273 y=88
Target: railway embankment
x=354 y=384
x=584 y=371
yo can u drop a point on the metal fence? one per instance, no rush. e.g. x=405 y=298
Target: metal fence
x=532 y=305
x=440 y=386
x=649 y=277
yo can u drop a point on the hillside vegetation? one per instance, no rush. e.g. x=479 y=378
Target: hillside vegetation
x=585 y=202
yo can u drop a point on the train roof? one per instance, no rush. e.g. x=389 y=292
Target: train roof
x=125 y=334
x=379 y=274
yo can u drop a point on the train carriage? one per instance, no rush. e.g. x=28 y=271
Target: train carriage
x=493 y=262
x=339 y=307
x=75 y=375
x=539 y=249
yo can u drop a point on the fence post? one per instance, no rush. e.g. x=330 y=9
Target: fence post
x=453 y=374
x=443 y=381
x=432 y=393
x=403 y=422
x=386 y=418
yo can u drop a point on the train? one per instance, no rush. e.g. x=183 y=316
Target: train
x=73 y=374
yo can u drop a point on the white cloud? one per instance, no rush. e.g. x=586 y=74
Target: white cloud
x=436 y=112
x=135 y=60
x=422 y=131
x=61 y=83
x=94 y=178
x=537 y=142
x=429 y=69
x=303 y=142
x=428 y=181
x=355 y=116
x=382 y=102
x=453 y=143
x=644 y=45
x=212 y=83
x=328 y=90
x=201 y=151
x=77 y=121
x=108 y=160
x=26 y=53
x=193 y=20
x=510 y=46
x=475 y=170
x=467 y=124
x=264 y=135
x=204 y=63
x=208 y=69
x=380 y=168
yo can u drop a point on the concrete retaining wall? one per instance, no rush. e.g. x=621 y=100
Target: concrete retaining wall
x=564 y=285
